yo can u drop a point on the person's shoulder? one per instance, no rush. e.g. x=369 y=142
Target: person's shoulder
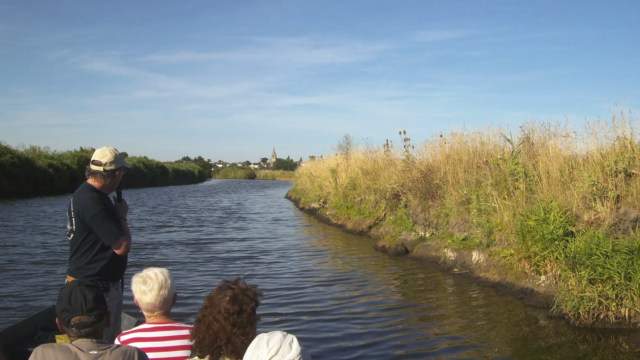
x=85 y=192
x=147 y=329
x=129 y=352
x=51 y=351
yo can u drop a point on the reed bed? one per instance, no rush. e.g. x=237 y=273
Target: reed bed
x=234 y=172
x=275 y=175
x=554 y=201
x=36 y=171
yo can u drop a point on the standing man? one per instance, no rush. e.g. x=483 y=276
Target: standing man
x=99 y=237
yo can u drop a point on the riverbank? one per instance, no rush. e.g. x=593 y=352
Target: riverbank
x=550 y=215
x=36 y=171
x=475 y=265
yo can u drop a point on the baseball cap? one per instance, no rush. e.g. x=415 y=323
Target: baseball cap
x=77 y=298
x=107 y=158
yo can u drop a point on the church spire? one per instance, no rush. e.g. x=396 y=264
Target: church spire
x=274 y=157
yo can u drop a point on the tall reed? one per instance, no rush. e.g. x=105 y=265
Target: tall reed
x=275 y=175
x=35 y=171
x=530 y=196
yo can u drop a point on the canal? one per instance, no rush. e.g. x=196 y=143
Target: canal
x=340 y=297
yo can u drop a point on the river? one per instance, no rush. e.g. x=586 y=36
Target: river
x=340 y=297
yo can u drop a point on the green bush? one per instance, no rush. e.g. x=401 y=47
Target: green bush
x=600 y=278
x=36 y=171
x=543 y=231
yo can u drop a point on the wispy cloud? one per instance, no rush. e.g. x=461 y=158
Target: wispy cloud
x=286 y=51
x=146 y=84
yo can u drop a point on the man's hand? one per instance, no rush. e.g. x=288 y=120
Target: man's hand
x=121 y=207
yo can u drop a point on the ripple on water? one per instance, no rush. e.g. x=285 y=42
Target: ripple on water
x=341 y=298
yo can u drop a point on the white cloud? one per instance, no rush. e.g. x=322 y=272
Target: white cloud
x=145 y=84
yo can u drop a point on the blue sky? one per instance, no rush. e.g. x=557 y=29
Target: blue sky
x=231 y=79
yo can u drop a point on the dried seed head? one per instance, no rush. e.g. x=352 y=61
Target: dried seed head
x=404 y=132
x=400 y=132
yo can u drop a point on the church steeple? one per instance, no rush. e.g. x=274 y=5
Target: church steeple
x=274 y=157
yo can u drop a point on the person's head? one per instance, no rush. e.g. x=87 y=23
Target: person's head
x=154 y=291
x=276 y=345
x=226 y=323
x=107 y=166
x=81 y=311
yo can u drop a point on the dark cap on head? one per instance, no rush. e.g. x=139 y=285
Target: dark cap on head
x=80 y=299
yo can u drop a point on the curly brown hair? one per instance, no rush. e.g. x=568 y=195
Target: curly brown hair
x=226 y=323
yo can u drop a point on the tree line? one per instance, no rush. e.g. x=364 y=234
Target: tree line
x=36 y=171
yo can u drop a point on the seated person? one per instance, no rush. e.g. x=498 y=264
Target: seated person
x=276 y=345
x=227 y=322
x=154 y=292
x=82 y=314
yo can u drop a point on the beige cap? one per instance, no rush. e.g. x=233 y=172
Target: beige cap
x=107 y=158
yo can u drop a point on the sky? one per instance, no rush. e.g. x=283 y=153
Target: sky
x=231 y=80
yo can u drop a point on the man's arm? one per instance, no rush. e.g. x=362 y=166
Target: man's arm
x=123 y=245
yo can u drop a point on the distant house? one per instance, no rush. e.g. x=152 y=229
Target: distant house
x=217 y=166
x=255 y=166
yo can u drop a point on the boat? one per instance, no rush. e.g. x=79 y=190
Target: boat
x=18 y=340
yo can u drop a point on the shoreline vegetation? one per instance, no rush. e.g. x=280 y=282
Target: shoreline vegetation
x=550 y=213
x=36 y=171
x=251 y=174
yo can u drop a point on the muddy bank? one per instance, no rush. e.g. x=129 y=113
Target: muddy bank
x=480 y=266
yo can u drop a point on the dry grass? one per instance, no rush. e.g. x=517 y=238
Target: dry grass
x=561 y=182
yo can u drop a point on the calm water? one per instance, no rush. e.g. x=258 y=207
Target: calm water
x=341 y=298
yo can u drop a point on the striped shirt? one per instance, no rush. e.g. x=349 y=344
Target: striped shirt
x=165 y=340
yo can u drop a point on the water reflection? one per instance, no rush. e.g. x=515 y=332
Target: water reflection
x=451 y=313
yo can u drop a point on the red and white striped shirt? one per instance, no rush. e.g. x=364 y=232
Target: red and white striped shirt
x=165 y=340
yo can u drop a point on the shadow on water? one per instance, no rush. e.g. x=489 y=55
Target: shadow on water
x=340 y=297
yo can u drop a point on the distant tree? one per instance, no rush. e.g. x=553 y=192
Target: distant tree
x=300 y=159
x=282 y=164
x=264 y=160
x=204 y=165
x=209 y=160
x=124 y=154
x=247 y=162
x=312 y=158
x=185 y=158
x=220 y=161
